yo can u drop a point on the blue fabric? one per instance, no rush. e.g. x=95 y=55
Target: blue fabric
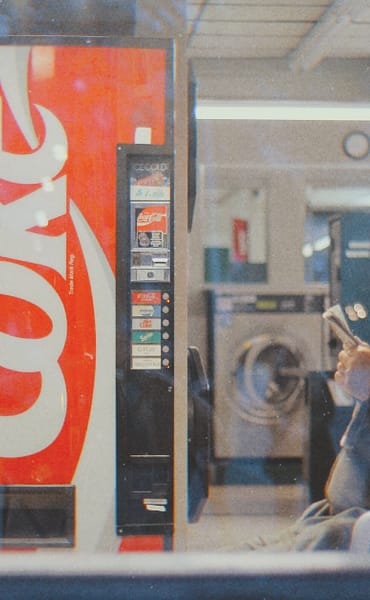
x=349 y=481
x=316 y=530
x=328 y=524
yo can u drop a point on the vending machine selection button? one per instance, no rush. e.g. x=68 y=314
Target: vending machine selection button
x=146 y=363
x=146 y=310
x=166 y=335
x=146 y=350
x=166 y=322
x=146 y=323
x=166 y=309
x=146 y=337
x=146 y=297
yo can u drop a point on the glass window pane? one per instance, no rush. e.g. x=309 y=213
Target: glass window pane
x=234 y=236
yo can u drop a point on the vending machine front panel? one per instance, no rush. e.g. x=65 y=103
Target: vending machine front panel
x=66 y=105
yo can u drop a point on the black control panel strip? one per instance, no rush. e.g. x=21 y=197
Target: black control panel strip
x=144 y=340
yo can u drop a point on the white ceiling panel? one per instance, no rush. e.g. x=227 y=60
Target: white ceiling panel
x=303 y=31
x=271 y=42
x=225 y=28
x=294 y=3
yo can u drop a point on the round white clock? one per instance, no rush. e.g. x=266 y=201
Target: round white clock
x=356 y=144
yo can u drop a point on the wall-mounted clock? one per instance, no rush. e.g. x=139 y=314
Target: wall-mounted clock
x=356 y=144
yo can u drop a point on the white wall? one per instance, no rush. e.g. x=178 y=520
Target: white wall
x=342 y=80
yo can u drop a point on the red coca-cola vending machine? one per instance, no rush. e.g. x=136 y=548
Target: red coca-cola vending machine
x=86 y=293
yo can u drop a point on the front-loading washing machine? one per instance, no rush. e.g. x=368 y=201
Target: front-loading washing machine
x=261 y=348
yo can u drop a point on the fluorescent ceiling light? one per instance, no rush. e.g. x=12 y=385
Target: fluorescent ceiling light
x=340 y=198
x=281 y=111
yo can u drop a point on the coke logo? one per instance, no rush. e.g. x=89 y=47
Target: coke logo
x=47 y=332
x=146 y=324
x=148 y=218
x=57 y=259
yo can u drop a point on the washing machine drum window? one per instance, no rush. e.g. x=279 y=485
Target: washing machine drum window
x=269 y=378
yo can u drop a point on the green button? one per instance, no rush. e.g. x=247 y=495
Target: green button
x=146 y=337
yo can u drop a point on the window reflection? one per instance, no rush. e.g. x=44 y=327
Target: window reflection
x=322 y=205
x=316 y=247
x=235 y=235
x=257 y=496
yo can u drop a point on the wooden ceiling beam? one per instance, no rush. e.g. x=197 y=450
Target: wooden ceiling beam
x=324 y=38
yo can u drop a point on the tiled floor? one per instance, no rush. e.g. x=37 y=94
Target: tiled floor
x=234 y=514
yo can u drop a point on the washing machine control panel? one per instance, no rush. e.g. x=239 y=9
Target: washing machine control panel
x=267 y=303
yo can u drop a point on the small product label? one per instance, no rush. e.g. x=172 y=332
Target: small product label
x=146 y=297
x=146 y=310
x=146 y=350
x=150 y=180
x=146 y=337
x=146 y=323
x=147 y=363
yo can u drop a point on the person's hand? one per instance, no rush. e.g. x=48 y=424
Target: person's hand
x=353 y=370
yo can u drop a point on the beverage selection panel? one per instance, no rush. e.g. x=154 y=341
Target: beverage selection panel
x=151 y=330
